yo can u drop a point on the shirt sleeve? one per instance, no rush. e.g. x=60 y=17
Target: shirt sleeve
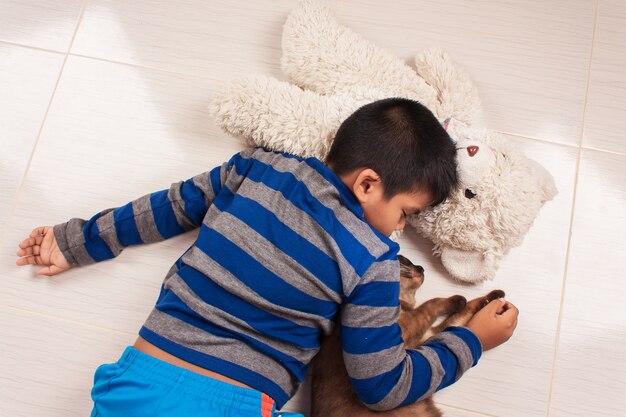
x=383 y=373
x=151 y=218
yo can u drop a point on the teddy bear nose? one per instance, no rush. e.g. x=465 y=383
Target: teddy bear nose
x=472 y=150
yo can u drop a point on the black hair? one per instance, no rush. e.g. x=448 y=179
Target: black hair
x=403 y=142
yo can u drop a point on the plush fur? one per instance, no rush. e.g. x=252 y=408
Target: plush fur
x=332 y=72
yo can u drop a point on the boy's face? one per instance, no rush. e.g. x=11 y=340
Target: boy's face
x=387 y=216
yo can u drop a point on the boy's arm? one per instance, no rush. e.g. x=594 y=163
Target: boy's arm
x=384 y=374
x=151 y=218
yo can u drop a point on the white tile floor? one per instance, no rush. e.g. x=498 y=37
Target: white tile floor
x=104 y=100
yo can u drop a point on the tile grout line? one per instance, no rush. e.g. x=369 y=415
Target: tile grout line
x=590 y=148
x=78 y=23
x=20 y=187
x=536 y=139
x=589 y=68
x=145 y=67
x=563 y=144
x=559 y=325
x=480 y=413
x=34 y=48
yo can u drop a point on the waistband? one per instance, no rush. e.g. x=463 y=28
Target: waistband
x=183 y=380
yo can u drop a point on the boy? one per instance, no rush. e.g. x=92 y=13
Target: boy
x=287 y=248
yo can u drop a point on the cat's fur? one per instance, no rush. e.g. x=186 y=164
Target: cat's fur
x=332 y=393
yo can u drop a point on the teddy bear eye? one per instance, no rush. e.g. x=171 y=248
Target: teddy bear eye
x=469 y=193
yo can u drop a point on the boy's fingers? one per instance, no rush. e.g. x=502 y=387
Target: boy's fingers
x=31 y=241
x=510 y=308
x=38 y=231
x=33 y=250
x=503 y=307
x=27 y=242
x=512 y=312
x=495 y=305
x=29 y=260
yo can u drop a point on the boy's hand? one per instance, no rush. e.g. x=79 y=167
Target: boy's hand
x=41 y=249
x=494 y=324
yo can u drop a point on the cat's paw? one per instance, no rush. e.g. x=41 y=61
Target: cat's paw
x=493 y=295
x=457 y=303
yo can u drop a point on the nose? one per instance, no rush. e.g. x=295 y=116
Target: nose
x=472 y=150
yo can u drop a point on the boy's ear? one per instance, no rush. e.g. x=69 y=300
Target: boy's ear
x=367 y=185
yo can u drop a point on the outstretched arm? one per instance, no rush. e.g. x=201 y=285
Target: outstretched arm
x=384 y=374
x=151 y=218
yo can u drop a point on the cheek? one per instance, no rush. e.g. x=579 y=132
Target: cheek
x=395 y=221
x=401 y=223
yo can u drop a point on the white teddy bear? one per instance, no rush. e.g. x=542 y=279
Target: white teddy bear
x=334 y=71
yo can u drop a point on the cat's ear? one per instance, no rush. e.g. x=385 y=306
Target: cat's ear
x=469 y=266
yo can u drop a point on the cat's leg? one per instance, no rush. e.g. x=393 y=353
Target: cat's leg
x=416 y=323
x=463 y=317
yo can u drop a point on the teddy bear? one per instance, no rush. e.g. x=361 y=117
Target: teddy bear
x=332 y=71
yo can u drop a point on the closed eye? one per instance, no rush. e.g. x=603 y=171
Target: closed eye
x=412 y=212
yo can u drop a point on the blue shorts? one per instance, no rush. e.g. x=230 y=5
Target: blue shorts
x=139 y=385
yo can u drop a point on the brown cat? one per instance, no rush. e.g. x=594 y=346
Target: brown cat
x=332 y=393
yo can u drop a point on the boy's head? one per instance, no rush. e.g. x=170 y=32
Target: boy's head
x=394 y=155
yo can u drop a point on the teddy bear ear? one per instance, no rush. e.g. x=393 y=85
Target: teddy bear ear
x=469 y=266
x=458 y=97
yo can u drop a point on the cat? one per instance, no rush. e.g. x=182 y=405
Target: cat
x=332 y=394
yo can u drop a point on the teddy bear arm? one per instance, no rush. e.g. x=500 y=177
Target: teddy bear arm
x=279 y=116
x=468 y=266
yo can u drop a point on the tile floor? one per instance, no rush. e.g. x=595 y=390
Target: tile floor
x=104 y=100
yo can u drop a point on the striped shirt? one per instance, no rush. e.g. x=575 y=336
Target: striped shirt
x=283 y=251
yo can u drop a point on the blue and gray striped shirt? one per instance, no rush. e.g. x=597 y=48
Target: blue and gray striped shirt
x=283 y=251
